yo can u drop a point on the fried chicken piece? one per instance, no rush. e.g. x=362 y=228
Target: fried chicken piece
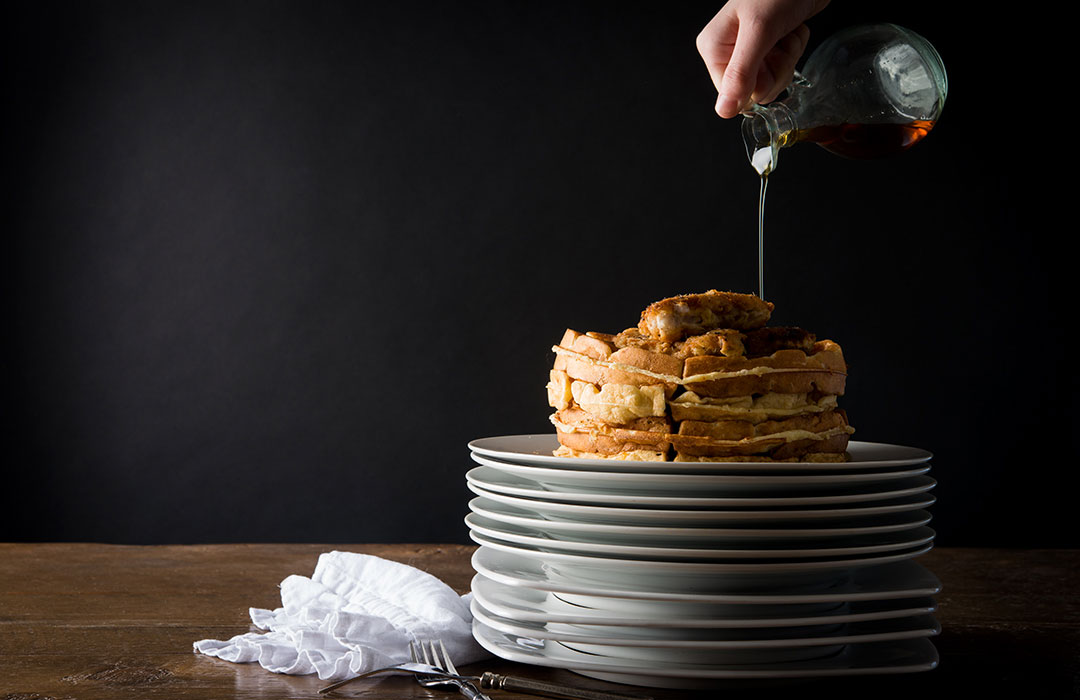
x=685 y=315
x=634 y=338
x=720 y=341
x=766 y=341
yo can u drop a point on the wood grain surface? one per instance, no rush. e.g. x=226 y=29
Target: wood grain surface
x=97 y=622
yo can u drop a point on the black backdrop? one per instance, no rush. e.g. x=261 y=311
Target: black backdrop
x=271 y=265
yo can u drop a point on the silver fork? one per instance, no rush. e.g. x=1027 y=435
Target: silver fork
x=464 y=687
x=398 y=668
x=431 y=675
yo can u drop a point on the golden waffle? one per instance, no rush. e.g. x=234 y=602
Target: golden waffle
x=595 y=359
x=783 y=439
x=679 y=387
x=832 y=449
x=756 y=409
x=580 y=431
x=785 y=371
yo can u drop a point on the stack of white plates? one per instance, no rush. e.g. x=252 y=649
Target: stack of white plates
x=672 y=574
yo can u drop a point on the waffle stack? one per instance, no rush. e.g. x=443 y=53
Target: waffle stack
x=758 y=543
x=702 y=377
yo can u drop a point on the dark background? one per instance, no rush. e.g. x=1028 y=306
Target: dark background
x=270 y=266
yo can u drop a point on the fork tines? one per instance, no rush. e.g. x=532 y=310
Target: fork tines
x=433 y=658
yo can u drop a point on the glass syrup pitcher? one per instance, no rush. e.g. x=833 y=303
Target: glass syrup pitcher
x=865 y=92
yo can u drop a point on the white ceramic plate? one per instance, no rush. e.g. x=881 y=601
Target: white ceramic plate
x=654 y=641
x=651 y=534
x=728 y=549
x=641 y=482
x=491 y=479
x=705 y=576
x=531 y=605
x=537 y=449
x=900 y=656
x=693 y=516
x=710 y=646
x=900 y=579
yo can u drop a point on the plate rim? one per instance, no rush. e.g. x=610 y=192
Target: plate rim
x=704 y=568
x=583 y=527
x=850 y=590
x=717 y=514
x=920 y=648
x=671 y=481
x=925 y=625
x=926 y=535
x=480 y=446
x=529 y=611
x=536 y=490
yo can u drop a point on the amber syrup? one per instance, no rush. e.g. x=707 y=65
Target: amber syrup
x=867 y=140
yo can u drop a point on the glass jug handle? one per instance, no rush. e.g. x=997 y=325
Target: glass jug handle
x=799 y=80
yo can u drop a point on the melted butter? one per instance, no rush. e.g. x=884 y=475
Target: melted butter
x=785 y=435
x=752 y=371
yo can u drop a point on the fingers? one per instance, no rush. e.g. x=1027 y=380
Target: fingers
x=778 y=67
x=742 y=72
x=715 y=44
x=751 y=48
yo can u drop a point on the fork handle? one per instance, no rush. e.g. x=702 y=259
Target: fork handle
x=471 y=691
x=554 y=690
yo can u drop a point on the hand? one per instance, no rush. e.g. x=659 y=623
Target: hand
x=751 y=47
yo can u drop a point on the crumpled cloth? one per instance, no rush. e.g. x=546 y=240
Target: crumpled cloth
x=356 y=613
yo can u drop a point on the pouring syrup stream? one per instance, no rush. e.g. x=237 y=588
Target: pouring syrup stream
x=763 y=160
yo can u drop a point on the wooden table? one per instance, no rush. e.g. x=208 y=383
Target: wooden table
x=92 y=621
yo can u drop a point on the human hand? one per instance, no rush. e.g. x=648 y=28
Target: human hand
x=751 y=47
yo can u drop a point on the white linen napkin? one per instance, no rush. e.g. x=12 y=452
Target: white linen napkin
x=356 y=613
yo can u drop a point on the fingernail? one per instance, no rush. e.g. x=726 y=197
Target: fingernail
x=727 y=106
